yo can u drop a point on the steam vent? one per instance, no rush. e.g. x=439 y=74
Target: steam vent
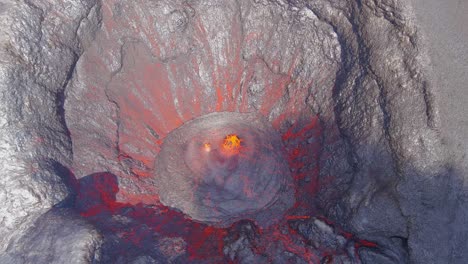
x=222 y=131
x=219 y=177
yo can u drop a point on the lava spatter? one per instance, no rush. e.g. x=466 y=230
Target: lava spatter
x=224 y=167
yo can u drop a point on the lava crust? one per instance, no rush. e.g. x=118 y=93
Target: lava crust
x=201 y=174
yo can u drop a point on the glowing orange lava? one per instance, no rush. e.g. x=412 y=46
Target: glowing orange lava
x=207 y=147
x=231 y=144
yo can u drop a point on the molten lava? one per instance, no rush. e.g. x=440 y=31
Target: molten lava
x=200 y=171
x=231 y=144
x=207 y=147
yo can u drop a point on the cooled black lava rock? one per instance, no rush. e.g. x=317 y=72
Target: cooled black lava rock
x=202 y=172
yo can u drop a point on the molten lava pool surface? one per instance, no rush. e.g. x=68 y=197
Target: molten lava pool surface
x=225 y=167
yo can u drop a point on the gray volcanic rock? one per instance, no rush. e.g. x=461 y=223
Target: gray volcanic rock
x=98 y=88
x=240 y=247
x=40 y=42
x=388 y=122
x=58 y=236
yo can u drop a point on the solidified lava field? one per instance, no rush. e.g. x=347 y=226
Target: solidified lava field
x=247 y=131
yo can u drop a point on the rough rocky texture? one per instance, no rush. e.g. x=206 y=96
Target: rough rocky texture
x=40 y=42
x=58 y=236
x=221 y=184
x=344 y=82
x=302 y=241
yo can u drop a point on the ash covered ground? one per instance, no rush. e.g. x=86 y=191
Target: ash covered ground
x=91 y=89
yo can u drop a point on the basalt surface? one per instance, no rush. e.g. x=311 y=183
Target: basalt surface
x=91 y=92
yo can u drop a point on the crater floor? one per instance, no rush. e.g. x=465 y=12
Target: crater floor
x=224 y=167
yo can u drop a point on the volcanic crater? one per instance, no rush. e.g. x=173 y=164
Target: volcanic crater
x=247 y=131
